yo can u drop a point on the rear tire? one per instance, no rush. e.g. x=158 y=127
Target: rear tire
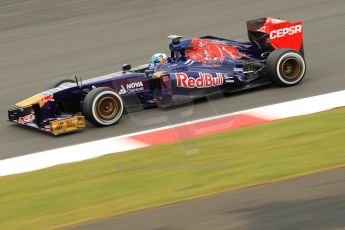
x=103 y=106
x=285 y=67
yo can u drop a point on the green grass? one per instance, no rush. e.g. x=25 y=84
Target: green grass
x=159 y=175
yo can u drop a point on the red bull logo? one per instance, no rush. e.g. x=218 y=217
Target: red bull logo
x=45 y=99
x=205 y=80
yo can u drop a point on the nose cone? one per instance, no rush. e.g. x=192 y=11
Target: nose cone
x=39 y=98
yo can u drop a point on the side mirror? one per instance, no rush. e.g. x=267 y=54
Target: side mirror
x=126 y=67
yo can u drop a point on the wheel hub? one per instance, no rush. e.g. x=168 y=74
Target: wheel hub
x=290 y=68
x=107 y=107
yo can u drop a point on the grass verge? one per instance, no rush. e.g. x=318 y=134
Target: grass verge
x=158 y=175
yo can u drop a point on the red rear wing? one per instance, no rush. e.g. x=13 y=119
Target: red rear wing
x=277 y=33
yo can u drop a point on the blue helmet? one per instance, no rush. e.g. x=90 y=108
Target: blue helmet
x=158 y=58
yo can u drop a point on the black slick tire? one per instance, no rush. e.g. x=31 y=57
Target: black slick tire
x=103 y=106
x=285 y=67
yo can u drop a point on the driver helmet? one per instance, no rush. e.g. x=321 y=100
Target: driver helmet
x=158 y=58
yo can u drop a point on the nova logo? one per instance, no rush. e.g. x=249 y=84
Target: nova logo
x=204 y=80
x=132 y=88
x=135 y=85
x=285 y=31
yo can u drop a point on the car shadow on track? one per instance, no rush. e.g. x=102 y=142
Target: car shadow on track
x=217 y=96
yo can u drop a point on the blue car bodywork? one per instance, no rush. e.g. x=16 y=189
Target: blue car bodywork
x=192 y=71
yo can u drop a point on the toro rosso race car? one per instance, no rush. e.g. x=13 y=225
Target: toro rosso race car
x=195 y=68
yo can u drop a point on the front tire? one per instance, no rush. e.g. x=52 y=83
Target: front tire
x=285 y=67
x=103 y=106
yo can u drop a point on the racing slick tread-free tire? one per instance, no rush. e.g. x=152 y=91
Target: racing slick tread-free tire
x=59 y=81
x=285 y=67
x=102 y=106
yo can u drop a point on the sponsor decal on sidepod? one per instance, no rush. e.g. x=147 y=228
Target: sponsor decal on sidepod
x=132 y=87
x=205 y=80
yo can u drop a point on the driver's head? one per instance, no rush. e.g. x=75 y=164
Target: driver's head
x=158 y=58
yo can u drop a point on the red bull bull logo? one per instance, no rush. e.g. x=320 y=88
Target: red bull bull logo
x=45 y=99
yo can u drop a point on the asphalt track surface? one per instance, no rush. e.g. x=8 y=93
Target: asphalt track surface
x=315 y=202
x=42 y=40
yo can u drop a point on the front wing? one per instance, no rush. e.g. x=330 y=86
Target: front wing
x=28 y=117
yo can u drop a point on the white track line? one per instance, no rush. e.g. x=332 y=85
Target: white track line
x=80 y=152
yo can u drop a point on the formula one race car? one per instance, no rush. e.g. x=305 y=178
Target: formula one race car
x=196 y=68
